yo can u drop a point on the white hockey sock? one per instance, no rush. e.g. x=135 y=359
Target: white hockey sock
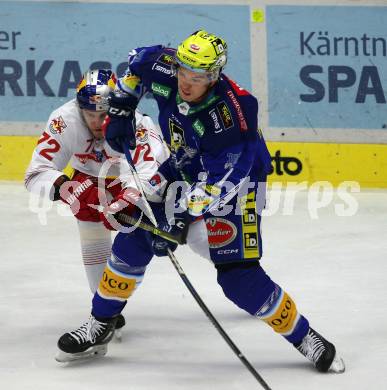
x=96 y=244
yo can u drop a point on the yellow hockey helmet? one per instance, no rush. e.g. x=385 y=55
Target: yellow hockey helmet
x=202 y=52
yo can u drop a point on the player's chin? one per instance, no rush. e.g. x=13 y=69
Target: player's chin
x=98 y=133
x=185 y=95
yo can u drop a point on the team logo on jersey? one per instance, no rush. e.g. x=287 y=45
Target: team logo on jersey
x=177 y=136
x=95 y=155
x=220 y=232
x=166 y=59
x=232 y=159
x=141 y=134
x=225 y=114
x=57 y=125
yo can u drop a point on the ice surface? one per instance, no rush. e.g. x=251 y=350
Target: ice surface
x=334 y=267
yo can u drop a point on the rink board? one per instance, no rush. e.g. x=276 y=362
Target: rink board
x=295 y=162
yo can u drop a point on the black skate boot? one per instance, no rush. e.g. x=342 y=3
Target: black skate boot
x=89 y=340
x=320 y=352
x=119 y=325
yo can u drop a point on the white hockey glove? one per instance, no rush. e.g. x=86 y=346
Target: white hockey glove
x=201 y=197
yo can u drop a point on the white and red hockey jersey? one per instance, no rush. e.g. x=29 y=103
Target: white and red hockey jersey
x=66 y=139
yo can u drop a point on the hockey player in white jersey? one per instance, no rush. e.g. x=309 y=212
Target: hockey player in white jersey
x=73 y=134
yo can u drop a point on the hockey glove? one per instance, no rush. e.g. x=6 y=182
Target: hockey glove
x=81 y=194
x=120 y=125
x=125 y=202
x=178 y=227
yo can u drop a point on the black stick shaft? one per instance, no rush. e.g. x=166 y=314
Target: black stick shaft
x=214 y=321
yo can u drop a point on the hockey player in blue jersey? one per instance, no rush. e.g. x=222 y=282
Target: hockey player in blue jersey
x=210 y=125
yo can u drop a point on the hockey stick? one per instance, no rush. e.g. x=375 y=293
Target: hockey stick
x=214 y=321
x=148 y=211
x=128 y=219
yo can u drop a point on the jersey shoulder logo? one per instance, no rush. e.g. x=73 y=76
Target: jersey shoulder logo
x=166 y=59
x=57 y=125
x=141 y=134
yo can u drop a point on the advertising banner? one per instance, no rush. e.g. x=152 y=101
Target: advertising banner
x=44 y=53
x=326 y=66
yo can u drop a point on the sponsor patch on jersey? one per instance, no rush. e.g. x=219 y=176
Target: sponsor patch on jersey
x=249 y=216
x=232 y=251
x=220 y=232
x=238 y=108
x=250 y=226
x=142 y=134
x=250 y=240
x=225 y=114
x=183 y=108
x=161 y=90
x=166 y=59
x=215 y=119
x=57 y=125
x=162 y=69
x=198 y=127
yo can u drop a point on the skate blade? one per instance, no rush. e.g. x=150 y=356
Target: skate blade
x=93 y=352
x=337 y=365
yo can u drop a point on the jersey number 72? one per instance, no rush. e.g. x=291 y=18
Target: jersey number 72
x=52 y=148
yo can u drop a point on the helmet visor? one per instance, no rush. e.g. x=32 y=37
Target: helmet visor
x=197 y=76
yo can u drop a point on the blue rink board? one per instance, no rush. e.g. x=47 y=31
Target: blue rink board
x=287 y=55
x=59 y=40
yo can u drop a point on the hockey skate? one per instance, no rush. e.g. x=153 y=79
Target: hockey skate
x=89 y=340
x=320 y=352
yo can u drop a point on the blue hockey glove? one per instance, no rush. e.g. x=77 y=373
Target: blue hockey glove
x=120 y=125
x=178 y=228
x=161 y=245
